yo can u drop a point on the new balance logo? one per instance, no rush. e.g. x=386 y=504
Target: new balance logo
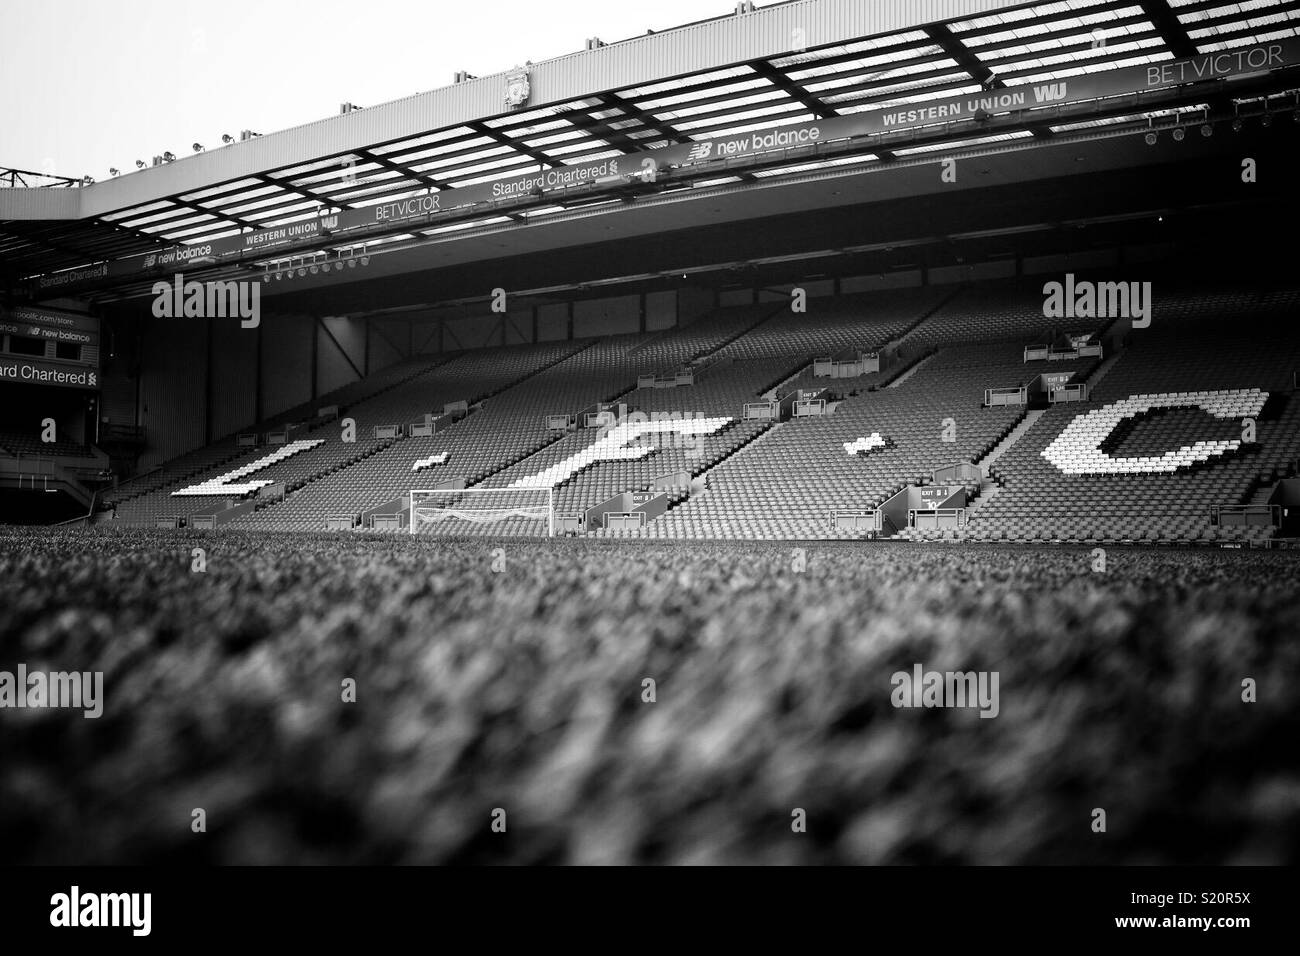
x=698 y=152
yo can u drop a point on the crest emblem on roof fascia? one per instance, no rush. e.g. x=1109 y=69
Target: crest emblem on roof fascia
x=517 y=87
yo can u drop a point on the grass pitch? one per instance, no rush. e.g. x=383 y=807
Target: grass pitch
x=523 y=689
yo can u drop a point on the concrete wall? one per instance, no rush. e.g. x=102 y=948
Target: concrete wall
x=617 y=316
x=202 y=380
x=173 y=387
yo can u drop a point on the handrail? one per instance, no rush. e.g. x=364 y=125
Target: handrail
x=959 y=472
x=94 y=499
x=28 y=466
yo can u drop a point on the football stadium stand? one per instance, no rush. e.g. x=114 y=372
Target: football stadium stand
x=1149 y=448
x=698 y=285
x=1243 y=347
x=404 y=452
x=18 y=443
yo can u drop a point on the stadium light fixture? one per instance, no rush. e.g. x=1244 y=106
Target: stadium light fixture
x=197 y=147
x=365 y=260
x=227 y=139
x=139 y=164
x=1151 y=137
x=1266 y=120
x=1207 y=130
x=114 y=171
x=1236 y=125
x=169 y=157
x=87 y=180
x=1178 y=134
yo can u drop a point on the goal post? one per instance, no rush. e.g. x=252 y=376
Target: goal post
x=523 y=512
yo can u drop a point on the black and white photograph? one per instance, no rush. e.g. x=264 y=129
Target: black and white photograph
x=854 y=434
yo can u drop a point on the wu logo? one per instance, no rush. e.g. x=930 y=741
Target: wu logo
x=329 y=222
x=699 y=151
x=1049 y=92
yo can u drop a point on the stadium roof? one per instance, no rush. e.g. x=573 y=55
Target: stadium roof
x=464 y=135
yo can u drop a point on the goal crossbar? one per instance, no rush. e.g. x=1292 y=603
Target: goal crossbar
x=481 y=506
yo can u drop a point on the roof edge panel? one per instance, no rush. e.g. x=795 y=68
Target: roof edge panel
x=40 y=203
x=710 y=44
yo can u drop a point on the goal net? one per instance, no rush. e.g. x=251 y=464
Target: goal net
x=526 y=512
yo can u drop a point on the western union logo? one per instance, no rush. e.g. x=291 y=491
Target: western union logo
x=1050 y=92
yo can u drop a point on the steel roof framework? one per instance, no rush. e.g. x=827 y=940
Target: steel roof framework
x=1020 y=45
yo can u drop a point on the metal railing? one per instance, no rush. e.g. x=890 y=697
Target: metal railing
x=936 y=518
x=869 y=521
x=1006 y=396
x=1077 y=392
x=1239 y=515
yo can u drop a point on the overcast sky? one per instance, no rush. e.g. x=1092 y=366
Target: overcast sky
x=91 y=84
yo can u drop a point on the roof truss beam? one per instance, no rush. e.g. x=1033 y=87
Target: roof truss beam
x=601 y=130
x=792 y=89
x=73 y=251
x=242 y=223
x=979 y=71
x=514 y=144
x=153 y=240
x=391 y=166
x=648 y=120
x=325 y=201
x=1171 y=28
x=963 y=56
